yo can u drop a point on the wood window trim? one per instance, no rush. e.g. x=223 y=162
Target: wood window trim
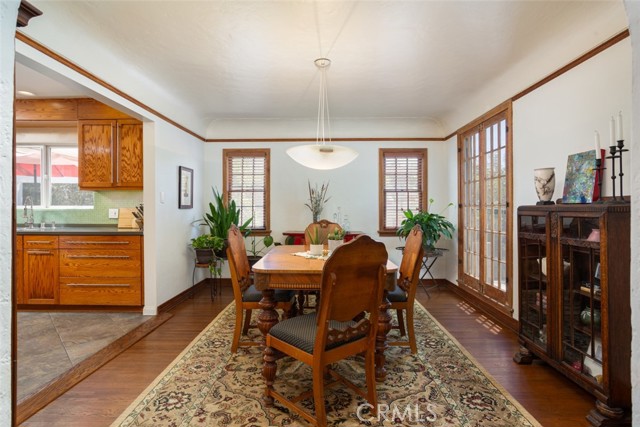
x=250 y=152
x=422 y=152
x=503 y=110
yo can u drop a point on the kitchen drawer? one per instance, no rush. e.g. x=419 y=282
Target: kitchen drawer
x=100 y=242
x=40 y=241
x=100 y=291
x=100 y=263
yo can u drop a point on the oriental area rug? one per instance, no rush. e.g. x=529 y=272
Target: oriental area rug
x=441 y=385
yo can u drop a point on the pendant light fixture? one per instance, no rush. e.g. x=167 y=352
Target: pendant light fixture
x=322 y=155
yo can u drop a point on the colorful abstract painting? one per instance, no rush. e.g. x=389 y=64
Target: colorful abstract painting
x=580 y=178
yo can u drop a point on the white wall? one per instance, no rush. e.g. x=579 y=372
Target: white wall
x=633 y=9
x=560 y=118
x=8 y=15
x=168 y=256
x=354 y=188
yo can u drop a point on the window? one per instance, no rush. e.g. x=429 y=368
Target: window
x=246 y=181
x=403 y=185
x=48 y=175
x=485 y=216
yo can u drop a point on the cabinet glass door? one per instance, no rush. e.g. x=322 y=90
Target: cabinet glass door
x=533 y=268
x=581 y=296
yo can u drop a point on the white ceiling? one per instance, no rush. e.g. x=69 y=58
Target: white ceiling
x=422 y=60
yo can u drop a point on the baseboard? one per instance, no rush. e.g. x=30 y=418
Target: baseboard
x=500 y=317
x=58 y=386
x=187 y=293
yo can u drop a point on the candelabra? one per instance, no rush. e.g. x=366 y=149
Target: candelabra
x=600 y=172
x=616 y=153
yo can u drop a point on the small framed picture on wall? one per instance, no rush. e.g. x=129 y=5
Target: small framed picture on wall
x=185 y=188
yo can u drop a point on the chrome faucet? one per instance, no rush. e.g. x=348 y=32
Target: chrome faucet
x=28 y=215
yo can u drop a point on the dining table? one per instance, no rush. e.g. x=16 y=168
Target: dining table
x=290 y=267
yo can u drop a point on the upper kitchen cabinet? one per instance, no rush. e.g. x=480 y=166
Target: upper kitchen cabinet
x=110 y=154
x=109 y=141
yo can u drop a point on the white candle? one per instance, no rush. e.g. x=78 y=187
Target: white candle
x=597 y=139
x=619 y=134
x=612 y=134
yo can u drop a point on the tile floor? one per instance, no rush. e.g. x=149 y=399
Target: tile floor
x=49 y=344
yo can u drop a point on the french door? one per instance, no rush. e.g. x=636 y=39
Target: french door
x=485 y=217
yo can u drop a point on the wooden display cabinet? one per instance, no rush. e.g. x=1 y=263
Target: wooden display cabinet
x=574 y=302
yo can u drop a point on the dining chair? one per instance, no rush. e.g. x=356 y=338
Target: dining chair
x=403 y=296
x=245 y=294
x=352 y=285
x=323 y=228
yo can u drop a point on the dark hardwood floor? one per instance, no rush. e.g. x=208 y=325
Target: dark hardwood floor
x=98 y=400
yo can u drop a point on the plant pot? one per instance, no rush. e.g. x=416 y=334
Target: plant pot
x=316 y=249
x=204 y=255
x=253 y=259
x=333 y=244
x=222 y=253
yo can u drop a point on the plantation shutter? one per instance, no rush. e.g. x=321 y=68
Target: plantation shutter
x=404 y=178
x=247 y=184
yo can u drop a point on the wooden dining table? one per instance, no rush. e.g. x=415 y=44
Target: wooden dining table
x=281 y=269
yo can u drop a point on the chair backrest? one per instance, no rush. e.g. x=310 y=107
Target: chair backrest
x=238 y=262
x=412 y=255
x=322 y=228
x=353 y=280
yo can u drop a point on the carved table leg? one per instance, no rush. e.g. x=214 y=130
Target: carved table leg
x=603 y=416
x=268 y=315
x=384 y=326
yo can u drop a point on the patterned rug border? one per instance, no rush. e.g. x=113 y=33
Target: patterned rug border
x=486 y=373
x=231 y=306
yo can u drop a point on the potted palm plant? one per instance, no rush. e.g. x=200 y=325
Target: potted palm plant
x=433 y=226
x=220 y=217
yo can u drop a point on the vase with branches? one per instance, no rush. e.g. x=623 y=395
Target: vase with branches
x=317 y=199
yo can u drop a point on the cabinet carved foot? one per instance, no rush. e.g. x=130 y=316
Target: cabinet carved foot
x=523 y=357
x=605 y=416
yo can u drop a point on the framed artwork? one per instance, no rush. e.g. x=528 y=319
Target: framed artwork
x=580 y=178
x=185 y=188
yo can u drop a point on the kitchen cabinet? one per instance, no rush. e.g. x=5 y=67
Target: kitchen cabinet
x=100 y=270
x=79 y=269
x=110 y=154
x=40 y=270
x=575 y=311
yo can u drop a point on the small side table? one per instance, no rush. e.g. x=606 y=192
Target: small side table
x=216 y=285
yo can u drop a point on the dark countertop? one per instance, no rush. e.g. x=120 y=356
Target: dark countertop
x=86 y=229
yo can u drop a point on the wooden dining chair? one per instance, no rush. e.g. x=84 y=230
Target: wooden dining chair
x=245 y=294
x=323 y=228
x=352 y=283
x=403 y=296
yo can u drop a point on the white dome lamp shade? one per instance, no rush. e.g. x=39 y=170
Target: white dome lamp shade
x=321 y=155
